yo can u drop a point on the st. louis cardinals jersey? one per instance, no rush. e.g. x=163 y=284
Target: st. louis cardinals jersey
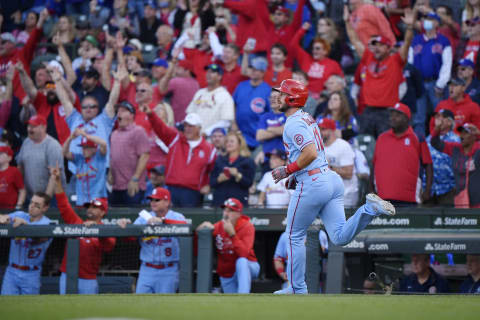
x=27 y=251
x=160 y=250
x=300 y=131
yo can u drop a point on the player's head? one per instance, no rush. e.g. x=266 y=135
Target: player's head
x=293 y=94
x=232 y=209
x=39 y=204
x=420 y=263
x=96 y=209
x=160 y=200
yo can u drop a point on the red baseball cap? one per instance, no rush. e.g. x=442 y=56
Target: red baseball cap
x=160 y=194
x=400 y=107
x=99 y=203
x=380 y=39
x=327 y=123
x=37 y=121
x=87 y=143
x=7 y=150
x=284 y=10
x=233 y=204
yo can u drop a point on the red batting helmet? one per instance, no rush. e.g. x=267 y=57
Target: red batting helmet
x=297 y=92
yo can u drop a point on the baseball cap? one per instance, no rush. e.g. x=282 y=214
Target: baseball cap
x=467 y=127
x=82 y=22
x=327 y=123
x=58 y=65
x=160 y=194
x=92 y=40
x=92 y=73
x=466 y=63
x=160 y=169
x=127 y=105
x=214 y=67
x=279 y=153
x=7 y=150
x=282 y=9
x=457 y=82
x=97 y=202
x=233 y=204
x=379 y=39
x=193 y=119
x=259 y=63
x=219 y=129
x=446 y=113
x=7 y=36
x=400 y=107
x=159 y=62
x=433 y=15
x=151 y=3
x=136 y=44
x=37 y=120
x=87 y=143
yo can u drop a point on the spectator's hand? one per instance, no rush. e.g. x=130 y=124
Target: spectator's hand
x=145 y=108
x=55 y=74
x=120 y=74
x=205 y=189
x=132 y=188
x=438 y=92
x=175 y=53
x=55 y=173
x=43 y=17
x=110 y=180
x=425 y=196
x=291 y=183
x=56 y=39
x=17 y=222
x=211 y=29
x=260 y=158
x=222 y=178
x=408 y=17
x=10 y=73
x=120 y=41
x=346 y=13
x=247 y=48
x=19 y=67
x=228 y=227
x=279 y=173
x=122 y=223
x=110 y=40
x=89 y=223
x=4 y=219
x=233 y=171
x=155 y=220
x=474 y=130
x=205 y=225
x=16 y=17
x=306 y=25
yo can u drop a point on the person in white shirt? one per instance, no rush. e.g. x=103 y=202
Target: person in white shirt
x=341 y=159
x=274 y=195
x=213 y=104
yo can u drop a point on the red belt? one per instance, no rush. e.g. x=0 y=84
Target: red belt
x=316 y=170
x=159 y=266
x=24 y=268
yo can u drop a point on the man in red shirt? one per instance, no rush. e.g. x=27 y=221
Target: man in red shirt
x=277 y=71
x=232 y=72
x=234 y=237
x=91 y=249
x=12 y=190
x=383 y=74
x=460 y=103
x=396 y=161
x=190 y=159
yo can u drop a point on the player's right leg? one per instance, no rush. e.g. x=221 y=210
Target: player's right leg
x=229 y=285
x=9 y=285
x=146 y=280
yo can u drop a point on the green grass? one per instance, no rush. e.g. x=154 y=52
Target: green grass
x=230 y=307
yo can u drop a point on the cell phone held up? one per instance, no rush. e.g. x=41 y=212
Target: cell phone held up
x=251 y=42
x=226 y=172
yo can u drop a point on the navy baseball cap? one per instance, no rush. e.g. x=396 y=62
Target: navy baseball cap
x=466 y=63
x=127 y=105
x=219 y=129
x=151 y=3
x=159 y=62
x=433 y=15
x=457 y=81
x=446 y=114
x=214 y=67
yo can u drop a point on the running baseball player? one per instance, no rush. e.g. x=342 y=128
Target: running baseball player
x=22 y=275
x=159 y=255
x=318 y=190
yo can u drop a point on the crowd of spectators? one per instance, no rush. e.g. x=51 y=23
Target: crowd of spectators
x=127 y=96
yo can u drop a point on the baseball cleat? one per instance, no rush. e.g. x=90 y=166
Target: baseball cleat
x=379 y=205
x=289 y=290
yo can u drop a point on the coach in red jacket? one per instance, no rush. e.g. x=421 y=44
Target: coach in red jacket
x=189 y=160
x=234 y=237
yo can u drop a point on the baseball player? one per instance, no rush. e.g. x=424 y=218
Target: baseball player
x=318 y=190
x=159 y=255
x=280 y=258
x=22 y=275
x=234 y=237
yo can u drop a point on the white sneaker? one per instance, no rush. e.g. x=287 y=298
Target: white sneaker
x=287 y=290
x=379 y=205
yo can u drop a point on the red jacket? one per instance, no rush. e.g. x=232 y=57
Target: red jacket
x=200 y=59
x=229 y=249
x=25 y=55
x=465 y=111
x=250 y=23
x=91 y=249
x=184 y=168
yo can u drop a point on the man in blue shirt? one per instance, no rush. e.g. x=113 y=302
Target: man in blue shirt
x=423 y=279
x=22 y=275
x=431 y=53
x=252 y=100
x=472 y=283
x=466 y=72
x=442 y=192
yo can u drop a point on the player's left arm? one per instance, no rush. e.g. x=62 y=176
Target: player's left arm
x=307 y=155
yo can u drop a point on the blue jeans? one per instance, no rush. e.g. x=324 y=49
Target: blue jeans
x=426 y=104
x=19 y=282
x=85 y=286
x=241 y=282
x=151 y=280
x=321 y=194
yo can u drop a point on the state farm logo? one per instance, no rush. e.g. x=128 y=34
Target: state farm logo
x=378 y=247
x=160 y=230
x=76 y=231
x=457 y=221
x=3 y=232
x=438 y=246
x=260 y=222
x=57 y=231
x=355 y=245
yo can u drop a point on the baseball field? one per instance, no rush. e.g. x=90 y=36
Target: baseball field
x=246 y=307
